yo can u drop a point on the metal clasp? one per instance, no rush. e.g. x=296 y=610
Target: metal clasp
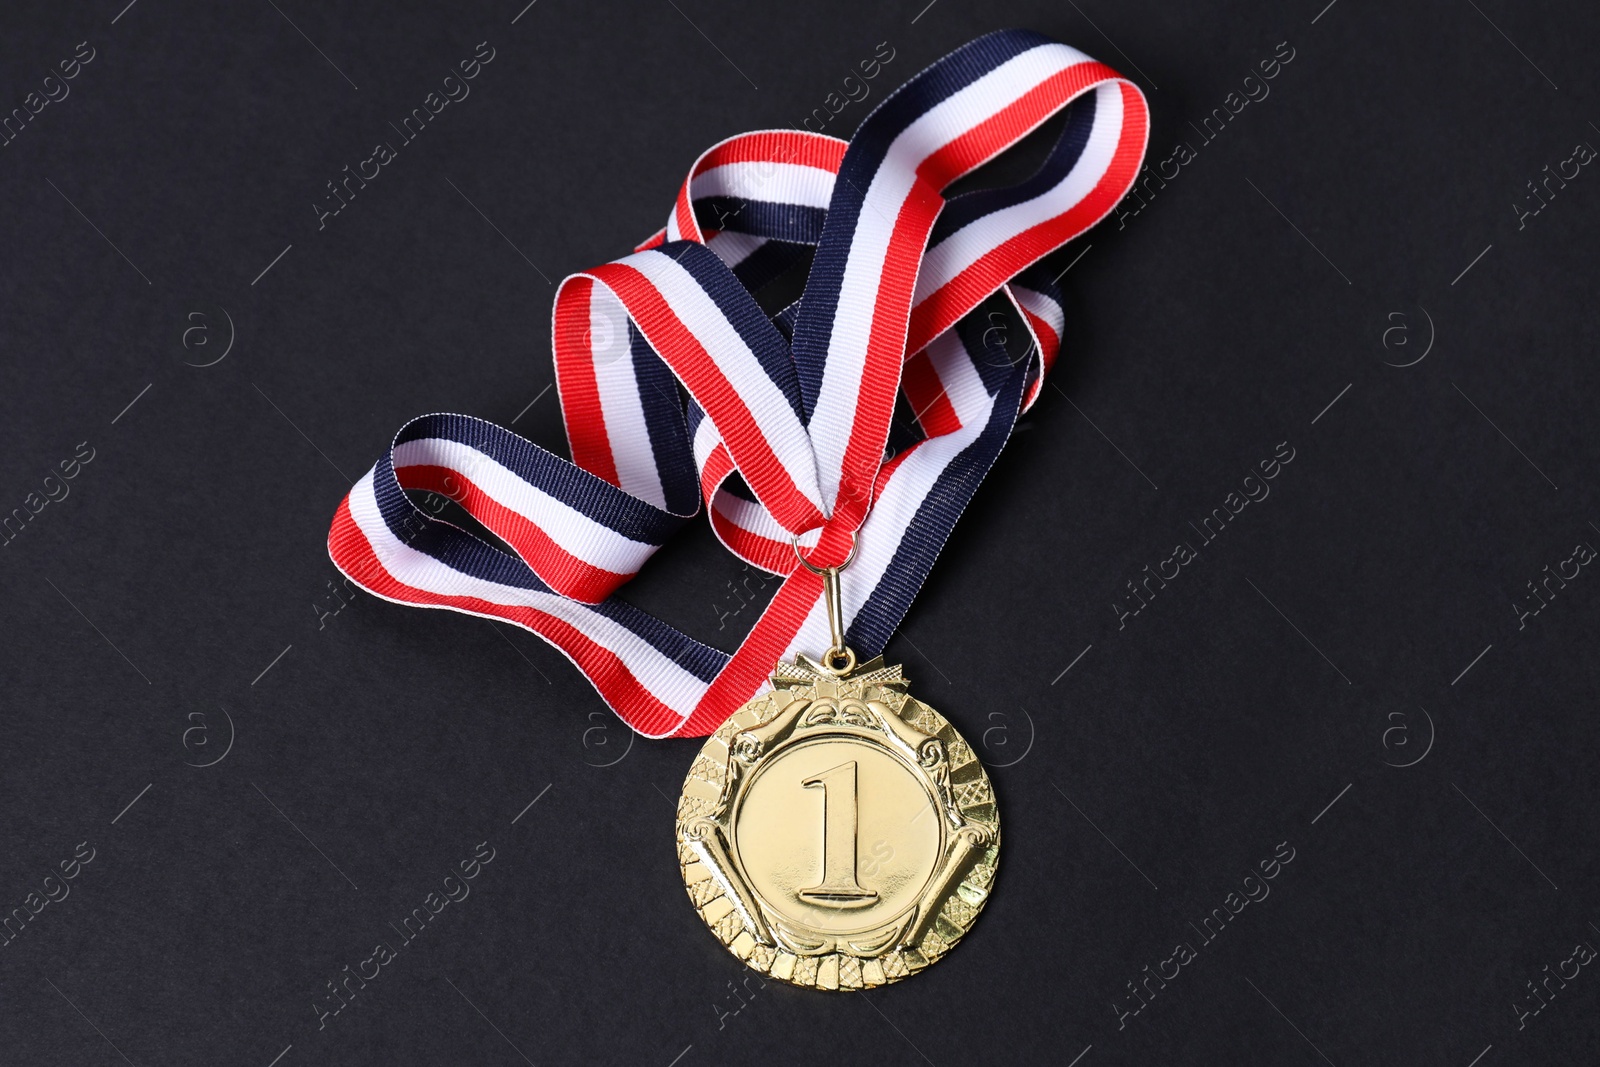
x=840 y=659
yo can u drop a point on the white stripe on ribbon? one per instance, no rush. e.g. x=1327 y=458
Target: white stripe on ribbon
x=618 y=386
x=753 y=519
x=951 y=361
x=574 y=532
x=768 y=407
x=1043 y=307
x=878 y=540
x=834 y=416
x=785 y=183
x=972 y=242
x=734 y=248
x=667 y=682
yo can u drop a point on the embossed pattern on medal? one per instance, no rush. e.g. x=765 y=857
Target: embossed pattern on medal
x=746 y=923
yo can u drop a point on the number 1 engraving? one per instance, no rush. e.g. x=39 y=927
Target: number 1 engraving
x=839 y=886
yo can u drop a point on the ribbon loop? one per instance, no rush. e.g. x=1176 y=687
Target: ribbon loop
x=865 y=414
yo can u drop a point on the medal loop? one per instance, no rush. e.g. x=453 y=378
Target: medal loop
x=812 y=567
x=840 y=659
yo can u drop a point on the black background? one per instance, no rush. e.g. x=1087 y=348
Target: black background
x=1321 y=637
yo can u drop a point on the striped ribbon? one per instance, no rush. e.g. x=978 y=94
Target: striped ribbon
x=869 y=409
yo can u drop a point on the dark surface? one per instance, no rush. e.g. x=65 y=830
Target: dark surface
x=1321 y=636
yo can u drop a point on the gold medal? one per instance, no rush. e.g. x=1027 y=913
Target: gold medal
x=836 y=832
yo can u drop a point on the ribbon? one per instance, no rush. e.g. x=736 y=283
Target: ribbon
x=866 y=412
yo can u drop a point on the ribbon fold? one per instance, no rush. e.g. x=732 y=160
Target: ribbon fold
x=868 y=410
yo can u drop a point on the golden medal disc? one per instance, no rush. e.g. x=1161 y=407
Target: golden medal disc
x=837 y=833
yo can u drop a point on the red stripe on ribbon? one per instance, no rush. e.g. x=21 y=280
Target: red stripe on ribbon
x=575 y=382
x=777 y=146
x=682 y=351
x=556 y=567
x=925 y=391
x=942 y=308
x=353 y=554
x=751 y=666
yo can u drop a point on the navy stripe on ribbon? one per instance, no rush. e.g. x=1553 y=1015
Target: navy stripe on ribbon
x=761 y=218
x=769 y=263
x=985 y=332
x=904 y=429
x=785 y=320
x=661 y=400
x=742 y=313
x=577 y=488
x=461 y=551
x=969 y=207
x=861 y=161
x=925 y=536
